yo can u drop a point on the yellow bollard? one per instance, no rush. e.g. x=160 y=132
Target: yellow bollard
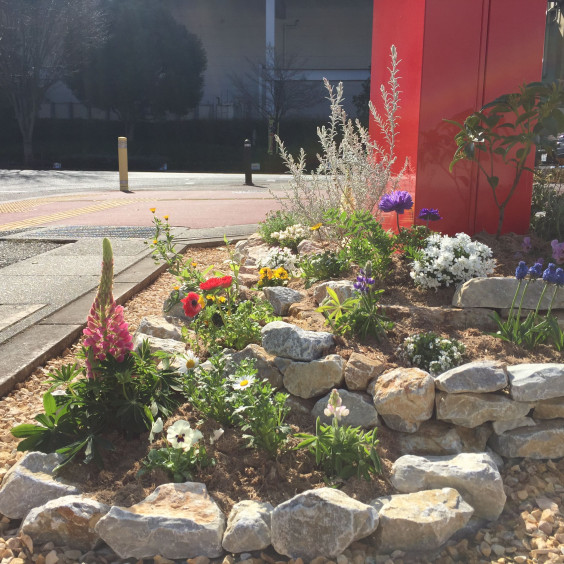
x=122 y=160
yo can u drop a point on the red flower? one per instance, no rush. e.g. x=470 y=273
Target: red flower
x=192 y=304
x=212 y=283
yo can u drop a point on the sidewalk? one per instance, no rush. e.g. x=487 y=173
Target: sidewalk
x=45 y=299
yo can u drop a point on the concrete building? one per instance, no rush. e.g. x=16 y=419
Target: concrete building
x=316 y=38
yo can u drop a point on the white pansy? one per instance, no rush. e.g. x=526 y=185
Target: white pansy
x=156 y=428
x=181 y=435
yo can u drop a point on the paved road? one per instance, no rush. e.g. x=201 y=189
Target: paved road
x=49 y=199
x=24 y=184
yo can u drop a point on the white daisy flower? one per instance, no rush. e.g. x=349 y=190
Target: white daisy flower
x=188 y=361
x=243 y=383
x=181 y=435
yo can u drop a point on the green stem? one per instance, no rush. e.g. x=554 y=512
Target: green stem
x=540 y=299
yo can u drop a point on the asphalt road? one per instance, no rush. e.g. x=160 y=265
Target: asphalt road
x=25 y=184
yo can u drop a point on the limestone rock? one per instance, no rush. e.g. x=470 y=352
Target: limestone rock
x=532 y=382
x=66 y=521
x=498 y=293
x=476 y=377
x=362 y=412
x=360 y=370
x=30 y=483
x=170 y=346
x=264 y=363
x=304 y=311
x=320 y=522
x=248 y=527
x=500 y=427
x=475 y=439
x=471 y=410
x=480 y=318
x=474 y=475
x=309 y=247
x=404 y=397
x=289 y=341
x=282 y=298
x=420 y=521
x=311 y=379
x=544 y=440
x=343 y=288
x=155 y=326
x=549 y=409
x=432 y=438
x=175 y=521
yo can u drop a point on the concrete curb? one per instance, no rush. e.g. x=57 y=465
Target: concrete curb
x=33 y=346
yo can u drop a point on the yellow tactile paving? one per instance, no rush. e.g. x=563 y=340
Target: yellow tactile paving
x=42 y=219
x=24 y=205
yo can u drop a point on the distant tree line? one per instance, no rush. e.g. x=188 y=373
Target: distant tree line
x=128 y=56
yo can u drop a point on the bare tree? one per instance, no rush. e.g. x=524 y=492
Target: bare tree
x=276 y=87
x=41 y=42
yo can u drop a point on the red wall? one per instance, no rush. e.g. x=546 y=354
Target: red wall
x=455 y=57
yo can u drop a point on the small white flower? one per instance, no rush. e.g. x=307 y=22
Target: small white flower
x=188 y=362
x=540 y=214
x=157 y=427
x=181 y=435
x=243 y=383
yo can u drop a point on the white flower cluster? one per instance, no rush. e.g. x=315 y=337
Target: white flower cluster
x=296 y=232
x=279 y=256
x=451 y=260
x=433 y=353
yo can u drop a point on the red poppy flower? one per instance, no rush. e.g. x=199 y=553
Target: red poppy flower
x=218 y=282
x=192 y=304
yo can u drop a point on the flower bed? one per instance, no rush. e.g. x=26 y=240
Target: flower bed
x=257 y=475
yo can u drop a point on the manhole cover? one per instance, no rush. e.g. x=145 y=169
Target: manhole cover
x=77 y=231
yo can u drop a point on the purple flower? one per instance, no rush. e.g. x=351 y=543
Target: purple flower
x=526 y=244
x=559 y=277
x=549 y=275
x=429 y=214
x=536 y=270
x=397 y=201
x=363 y=282
x=521 y=271
x=557 y=251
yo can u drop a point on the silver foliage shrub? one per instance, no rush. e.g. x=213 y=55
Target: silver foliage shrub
x=354 y=171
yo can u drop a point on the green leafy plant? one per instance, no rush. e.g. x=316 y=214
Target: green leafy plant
x=361 y=315
x=547 y=207
x=261 y=414
x=342 y=451
x=503 y=134
x=124 y=397
x=209 y=391
x=275 y=222
x=431 y=352
x=184 y=455
x=218 y=328
x=410 y=241
x=363 y=238
x=323 y=266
